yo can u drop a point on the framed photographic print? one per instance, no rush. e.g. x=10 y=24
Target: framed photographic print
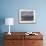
x=26 y=16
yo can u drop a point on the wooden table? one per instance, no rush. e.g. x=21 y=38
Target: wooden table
x=20 y=39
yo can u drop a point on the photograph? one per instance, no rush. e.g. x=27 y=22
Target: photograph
x=26 y=16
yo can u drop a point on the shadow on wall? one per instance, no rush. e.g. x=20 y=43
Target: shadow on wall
x=2 y=21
